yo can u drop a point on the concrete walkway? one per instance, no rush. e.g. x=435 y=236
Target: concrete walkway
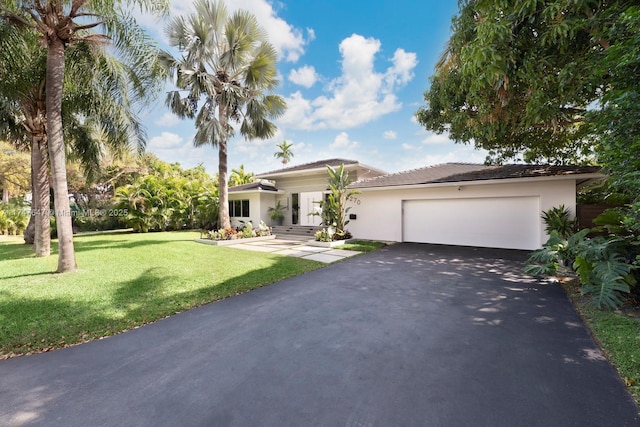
x=410 y=335
x=296 y=248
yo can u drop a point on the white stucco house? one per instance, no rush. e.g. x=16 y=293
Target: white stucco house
x=466 y=204
x=454 y=203
x=295 y=187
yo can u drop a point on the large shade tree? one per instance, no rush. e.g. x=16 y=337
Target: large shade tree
x=529 y=79
x=225 y=77
x=61 y=24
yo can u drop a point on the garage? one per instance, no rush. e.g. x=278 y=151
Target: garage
x=466 y=204
x=496 y=222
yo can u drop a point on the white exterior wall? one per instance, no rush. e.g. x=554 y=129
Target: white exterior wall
x=259 y=203
x=379 y=212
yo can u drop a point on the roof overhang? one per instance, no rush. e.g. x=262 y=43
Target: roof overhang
x=317 y=171
x=580 y=179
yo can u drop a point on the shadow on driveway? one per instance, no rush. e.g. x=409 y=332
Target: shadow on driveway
x=411 y=335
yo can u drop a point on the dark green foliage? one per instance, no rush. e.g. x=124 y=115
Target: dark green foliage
x=606 y=266
x=547 y=81
x=169 y=198
x=559 y=219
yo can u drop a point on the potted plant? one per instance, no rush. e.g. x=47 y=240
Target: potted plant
x=276 y=213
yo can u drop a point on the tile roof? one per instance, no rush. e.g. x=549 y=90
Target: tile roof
x=259 y=185
x=320 y=164
x=460 y=172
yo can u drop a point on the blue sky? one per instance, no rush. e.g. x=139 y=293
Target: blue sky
x=353 y=74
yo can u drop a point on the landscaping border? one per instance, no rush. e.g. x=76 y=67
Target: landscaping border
x=234 y=241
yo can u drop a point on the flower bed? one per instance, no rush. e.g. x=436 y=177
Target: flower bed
x=232 y=236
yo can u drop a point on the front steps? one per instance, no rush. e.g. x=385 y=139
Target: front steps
x=295 y=232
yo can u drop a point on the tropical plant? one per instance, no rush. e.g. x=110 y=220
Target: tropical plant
x=284 y=152
x=333 y=208
x=240 y=176
x=276 y=213
x=14 y=172
x=61 y=25
x=168 y=198
x=228 y=72
x=604 y=271
x=13 y=218
x=559 y=219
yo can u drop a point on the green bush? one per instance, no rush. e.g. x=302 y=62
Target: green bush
x=559 y=219
x=606 y=266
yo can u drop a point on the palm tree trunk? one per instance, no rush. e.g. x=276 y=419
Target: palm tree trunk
x=223 y=181
x=57 y=156
x=40 y=204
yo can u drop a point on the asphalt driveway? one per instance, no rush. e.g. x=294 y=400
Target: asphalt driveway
x=413 y=335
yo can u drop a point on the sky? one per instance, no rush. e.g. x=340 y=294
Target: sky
x=353 y=74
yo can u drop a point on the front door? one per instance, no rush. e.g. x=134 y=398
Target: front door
x=308 y=206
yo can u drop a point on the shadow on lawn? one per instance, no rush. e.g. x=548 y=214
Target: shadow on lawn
x=17 y=250
x=81 y=246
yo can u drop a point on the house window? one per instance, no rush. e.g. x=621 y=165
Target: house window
x=239 y=208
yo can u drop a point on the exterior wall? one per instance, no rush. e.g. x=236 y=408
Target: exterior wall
x=259 y=203
x=379 y=212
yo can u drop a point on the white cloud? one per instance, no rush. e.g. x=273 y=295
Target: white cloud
x=406 y=146
x=360 y=95
x=402 y=71
x=166 y=140
x=435 y=139
x=343 y=142
x=389 y=134
x=167 y=120
x=304 y=76
x=288 y=40
x=311 y=34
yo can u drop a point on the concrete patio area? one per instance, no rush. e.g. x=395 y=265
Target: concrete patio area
x=297 y=248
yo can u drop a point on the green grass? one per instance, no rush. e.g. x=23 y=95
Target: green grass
x=362 y=246
x=123 y=281
x=618 y=333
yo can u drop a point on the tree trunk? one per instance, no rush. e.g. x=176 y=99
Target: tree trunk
x=40 y=203
x=5 y=193
x=57 y=156
x=223 y=182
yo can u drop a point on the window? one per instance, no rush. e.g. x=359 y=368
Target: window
x=239 y=208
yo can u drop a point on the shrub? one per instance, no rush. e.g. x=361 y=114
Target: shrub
x=604 y=265
x=560 y=220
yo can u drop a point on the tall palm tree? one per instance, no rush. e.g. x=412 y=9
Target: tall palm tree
x=284 y=153
x=240 y=176
x=61 y=24
x=225 y=76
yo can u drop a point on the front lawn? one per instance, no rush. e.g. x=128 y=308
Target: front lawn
x=123 y=281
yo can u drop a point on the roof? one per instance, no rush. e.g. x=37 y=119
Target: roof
x=464 y=172
x=259 y=185
x=317 y=166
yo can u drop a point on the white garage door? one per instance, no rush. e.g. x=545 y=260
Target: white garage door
x=499 y=222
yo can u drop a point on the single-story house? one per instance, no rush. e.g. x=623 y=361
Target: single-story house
x=466 y=204
x=453 y=203
x=297 y=188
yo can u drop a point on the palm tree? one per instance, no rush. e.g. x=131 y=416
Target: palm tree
x=22 y=113
x=285 y=152
x=240 y=176
x=227 y=71
x=61 y=24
